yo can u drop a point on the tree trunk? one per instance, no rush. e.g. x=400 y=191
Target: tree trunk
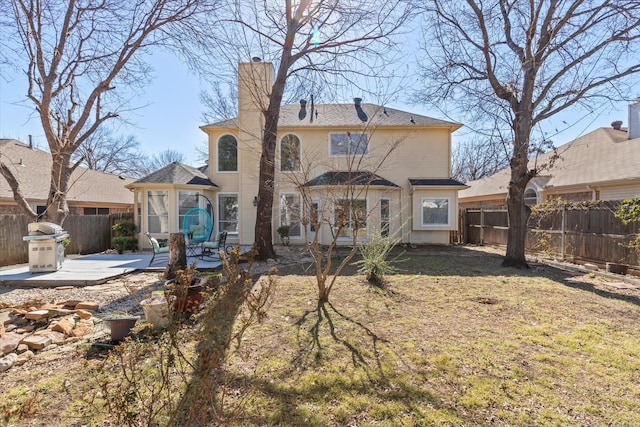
x=177 y=256
x=57 y=207
x=517 y=210
x=263 y=230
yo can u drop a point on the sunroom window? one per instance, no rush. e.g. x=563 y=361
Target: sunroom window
x=350 y=218
x=435 y=211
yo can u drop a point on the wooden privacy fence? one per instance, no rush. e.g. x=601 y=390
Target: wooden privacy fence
x=586 y=233
x=88 y=234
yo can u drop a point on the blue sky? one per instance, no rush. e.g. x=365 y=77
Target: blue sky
x=172 y=115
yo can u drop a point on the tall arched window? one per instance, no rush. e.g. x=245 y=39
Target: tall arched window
x=530 y=197
x=290 y=153
x=227 y=154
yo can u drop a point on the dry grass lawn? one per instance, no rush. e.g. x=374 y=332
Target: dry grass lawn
x=452 y=340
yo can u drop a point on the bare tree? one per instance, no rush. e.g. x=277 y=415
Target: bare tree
x=521 y=62
x=478 y=158
x=82 y=58
x=117 y=154
x=162 y=159
x=304 y=38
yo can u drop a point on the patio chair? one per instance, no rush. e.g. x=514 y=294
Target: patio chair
x=213 y=247
x=157 y=249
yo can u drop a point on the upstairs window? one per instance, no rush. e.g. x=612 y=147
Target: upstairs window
x=290 y=153
x=348 y=144
x=227 y=154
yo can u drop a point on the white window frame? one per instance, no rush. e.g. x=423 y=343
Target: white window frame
x=435 y=200
x=165 y=215
x=297 y=216
x=388 y=232
x=218 y=154
x=181 y=214
x=299 y=153
x=348 y=151
x=225 y=221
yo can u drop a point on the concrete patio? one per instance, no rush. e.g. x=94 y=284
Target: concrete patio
x=93 y=269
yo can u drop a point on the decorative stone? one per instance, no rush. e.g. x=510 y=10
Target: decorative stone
x=26 y=329
x=87 y=305
x=83 y=314
x=25 y=357
x=83 y=327
x=71 y=303
x=65 y=325
x=55 y=337
x=22 y=348
x=37 y=342
x=9 y=342
x=37 y=314
x=8 y=361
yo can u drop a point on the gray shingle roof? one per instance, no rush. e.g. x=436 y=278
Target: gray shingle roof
x=349 y=178
x=178 y=174
x=602 y=156
x=32 y=168
x=346 y=115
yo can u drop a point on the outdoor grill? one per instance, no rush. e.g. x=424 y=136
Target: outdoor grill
x=46 y=247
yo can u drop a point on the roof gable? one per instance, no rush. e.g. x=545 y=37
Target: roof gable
x=177 y=174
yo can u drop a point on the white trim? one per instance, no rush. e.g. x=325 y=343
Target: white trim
x=239 y=217
x=432 y=199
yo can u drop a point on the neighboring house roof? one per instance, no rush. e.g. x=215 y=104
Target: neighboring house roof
x=346 y=115
x=32 y=169
x=599 y=157
x=177 y=174
x=428 y=182
x=349 y=178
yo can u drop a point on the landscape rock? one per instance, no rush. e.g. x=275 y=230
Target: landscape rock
x=37 y=314
x=26 y=329
x=65 y=325
x=37 y=342
x=83 y=327
x=22 y=348
x=87 y=305
x=55 y=337
x=25 y=357
x=83 y=314
x=8 y=361
x=9 y=342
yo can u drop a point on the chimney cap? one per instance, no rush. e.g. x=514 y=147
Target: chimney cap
x=256 y=59
x=617 y=124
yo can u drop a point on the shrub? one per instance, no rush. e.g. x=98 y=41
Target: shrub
x=127 y=229
x=124 y=243
x=374 y=263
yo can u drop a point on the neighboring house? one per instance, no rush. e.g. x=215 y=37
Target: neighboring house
x=405 y=192
x=90 y=192
x=601 y=165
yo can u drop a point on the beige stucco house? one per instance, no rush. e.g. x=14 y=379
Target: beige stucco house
x=396 y=164
x=90 y=192
x=601 y=165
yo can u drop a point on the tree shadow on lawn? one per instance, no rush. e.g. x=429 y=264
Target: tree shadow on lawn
x=369 y=352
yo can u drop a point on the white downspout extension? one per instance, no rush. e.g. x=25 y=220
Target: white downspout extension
x=593 y=193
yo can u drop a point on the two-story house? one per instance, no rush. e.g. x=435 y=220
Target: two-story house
x=374 y=167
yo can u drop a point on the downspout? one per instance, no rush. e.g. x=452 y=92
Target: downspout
x=594 y=193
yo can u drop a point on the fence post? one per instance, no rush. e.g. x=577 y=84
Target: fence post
x=564 y=229
x=481 y=226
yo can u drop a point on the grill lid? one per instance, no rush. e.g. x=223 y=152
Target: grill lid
x=40 y=228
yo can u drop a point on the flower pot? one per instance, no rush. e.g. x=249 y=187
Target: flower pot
x=156 y=311
x=613 y=267
x=189 y=302
x=121 y=326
